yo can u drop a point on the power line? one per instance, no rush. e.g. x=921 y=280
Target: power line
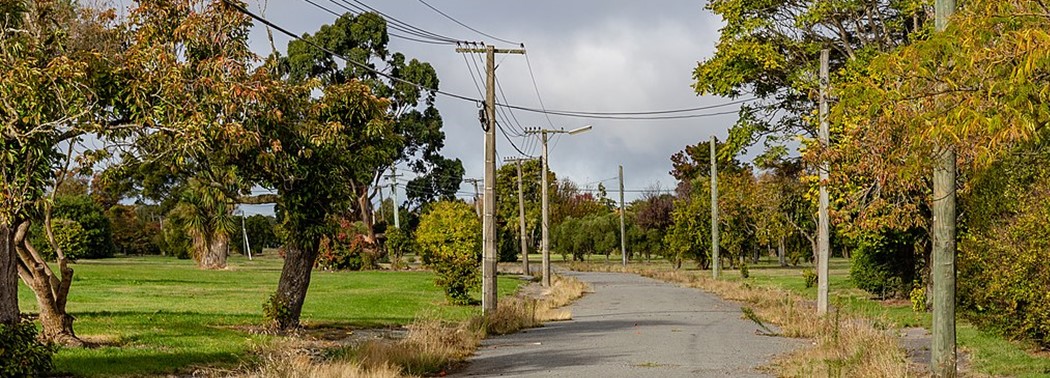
x=643 y=113
x=576 y=114
x=403 y=26
x=344 y=58
x=414 y=39
x=644 y=118
x=504 y=132
x=468 y=26
x=537 y=88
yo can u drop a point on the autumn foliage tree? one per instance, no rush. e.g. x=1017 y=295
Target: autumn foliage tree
x=982 y=87
x=56 y=88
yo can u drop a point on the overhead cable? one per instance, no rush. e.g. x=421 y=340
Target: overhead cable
x=468 y=26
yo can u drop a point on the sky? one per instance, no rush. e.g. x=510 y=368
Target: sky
x=586 y=55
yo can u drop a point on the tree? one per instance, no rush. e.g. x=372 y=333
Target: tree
x=652 y=217
x=688 y=236
x=57 y=58
x=770 y=49
x=89 y=218
x=133 y=235
x=305 y=157
x=449 y=238
x=203 y=128
x=261 y=232
x=416 y=137
x=508 y=227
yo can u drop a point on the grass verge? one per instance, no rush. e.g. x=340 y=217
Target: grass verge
x=154 y=316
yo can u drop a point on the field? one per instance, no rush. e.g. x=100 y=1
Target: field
x=158 y=315
x=987 y=353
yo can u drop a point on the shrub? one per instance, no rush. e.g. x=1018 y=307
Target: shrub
x=69 y=235
x=449 y=239
x=348 y=249
x=275 y=309
x=885 y=264
x=21 y=353
x=98 y=230
x=398 y=243
x=918 y=299
x=810 y=277
x=1004 y=272
x=744 y=272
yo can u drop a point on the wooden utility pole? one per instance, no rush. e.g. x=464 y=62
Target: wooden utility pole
x=477 y=195
x=393 y=195
x=715 y=260
x=823 y=236
x=247 y=245
x=545 y=226
x=521 y=218
x=942 y=348
x=382 y=213
x=545 y=243
x=488 y=257
x=623 y=228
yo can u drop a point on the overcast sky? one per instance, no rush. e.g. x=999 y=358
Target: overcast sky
x=587 y=55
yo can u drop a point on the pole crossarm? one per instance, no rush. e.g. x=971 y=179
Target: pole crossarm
x=479 y=50
x=515 y=159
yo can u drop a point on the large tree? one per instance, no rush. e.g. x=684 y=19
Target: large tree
x=770 y=49
x=307 y=156
x=56 y=88
x=191 y=79
x=417 y=138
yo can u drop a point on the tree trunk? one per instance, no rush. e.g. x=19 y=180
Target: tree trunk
x=51 y=290
x=8 y=276
x=364 y=205
x=781 y=253
x=295 y=280
x=216 y=250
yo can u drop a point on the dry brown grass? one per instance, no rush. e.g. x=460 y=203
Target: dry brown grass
x=846 y=345
x=431 y=347
x=527 y=311
x=293 y=358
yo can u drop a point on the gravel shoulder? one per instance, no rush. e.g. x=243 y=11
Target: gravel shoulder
x=631 y=326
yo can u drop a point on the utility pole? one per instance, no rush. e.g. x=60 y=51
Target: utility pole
x=823 y=235
x=942 y=348
x=393 y=195
x=488 y=258
x=545 y=226
x=521 y=218
x=716 y=263
x=545 y=243
x=382 y=213
x=477 y=196
x=623 y=228
x=244 y=231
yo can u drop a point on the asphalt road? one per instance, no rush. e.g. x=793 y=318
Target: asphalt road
x=632 y=326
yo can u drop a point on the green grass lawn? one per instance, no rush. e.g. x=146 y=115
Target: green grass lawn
x=990 y=354
x=158 y=315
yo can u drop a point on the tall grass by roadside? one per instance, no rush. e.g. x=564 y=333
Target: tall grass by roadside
x=431 y=347
x=846 y=345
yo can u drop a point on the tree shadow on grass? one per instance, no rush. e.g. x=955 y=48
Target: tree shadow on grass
x=112 y=361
